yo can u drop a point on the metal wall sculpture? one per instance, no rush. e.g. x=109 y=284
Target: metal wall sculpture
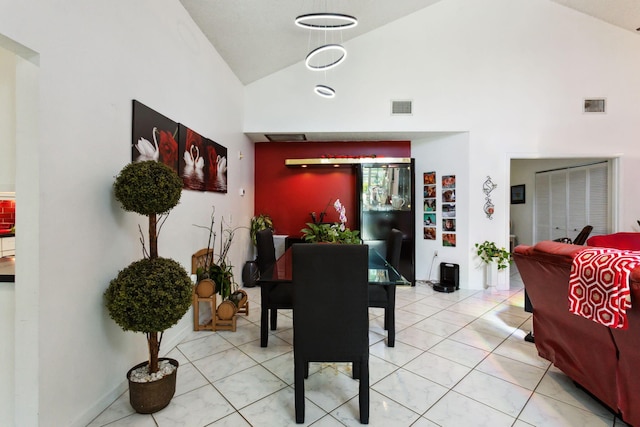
x=487 y=188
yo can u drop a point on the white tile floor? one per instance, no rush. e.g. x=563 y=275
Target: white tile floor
x=459 y=360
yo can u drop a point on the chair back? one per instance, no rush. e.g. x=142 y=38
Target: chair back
x=200 y=259
x=394 y=245
x=330 y=302
x=581 y=238
x=266 y=249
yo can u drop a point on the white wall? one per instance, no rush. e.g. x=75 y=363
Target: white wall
x=445 y=154
x=7 y=121
x=7 y=323
x=90 y=59
x=513 y=74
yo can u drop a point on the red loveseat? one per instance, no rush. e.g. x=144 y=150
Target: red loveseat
x=603 y=360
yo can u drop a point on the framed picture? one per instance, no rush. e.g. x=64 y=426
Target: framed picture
x=203 y=164
x=517 y=194
x=154 y=137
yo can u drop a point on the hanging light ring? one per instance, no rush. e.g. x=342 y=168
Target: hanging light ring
x=324 y=91
x=326 y=21
x=324 y=50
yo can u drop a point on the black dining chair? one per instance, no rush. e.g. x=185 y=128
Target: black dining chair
x=279 y=296
x=580 y=239
x=330 y=314
x=266 y=249
x=381 y=296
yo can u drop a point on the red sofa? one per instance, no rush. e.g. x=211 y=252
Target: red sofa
x=602 y=360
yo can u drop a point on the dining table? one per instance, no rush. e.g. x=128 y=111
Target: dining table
x=381 y=273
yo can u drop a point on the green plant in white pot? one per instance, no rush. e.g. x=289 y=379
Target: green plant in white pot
x=152 y=294
x=491 y=255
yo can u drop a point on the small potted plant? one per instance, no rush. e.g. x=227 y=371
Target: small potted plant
x=152 y=294
x=493 y=257
x=250 y=271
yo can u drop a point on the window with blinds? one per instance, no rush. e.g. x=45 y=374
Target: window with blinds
x=568 y=199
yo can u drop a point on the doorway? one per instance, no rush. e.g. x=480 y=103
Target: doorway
x=523 y=172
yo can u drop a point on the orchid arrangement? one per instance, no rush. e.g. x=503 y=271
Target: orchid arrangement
x=337 y=232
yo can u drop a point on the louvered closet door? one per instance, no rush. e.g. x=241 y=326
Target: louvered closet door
x=598 y=201
x=577 y=198
x=566 y=200
x=542 y=207
x=559 y=204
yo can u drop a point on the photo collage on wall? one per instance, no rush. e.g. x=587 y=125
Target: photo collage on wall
x=449 y=210
x=430 y=206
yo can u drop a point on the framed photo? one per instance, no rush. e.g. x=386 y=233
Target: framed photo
x=517 y=194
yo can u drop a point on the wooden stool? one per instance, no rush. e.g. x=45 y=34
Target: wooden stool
x=205 y=291
x=225 y=317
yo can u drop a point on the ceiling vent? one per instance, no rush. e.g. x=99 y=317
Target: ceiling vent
x=401 y=108
x=595 y=105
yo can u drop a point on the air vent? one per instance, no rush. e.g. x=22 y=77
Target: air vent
x=401 y=108
x=286 y=137
x=595 y=105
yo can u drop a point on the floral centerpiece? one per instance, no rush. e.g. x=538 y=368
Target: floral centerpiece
x=336 y=232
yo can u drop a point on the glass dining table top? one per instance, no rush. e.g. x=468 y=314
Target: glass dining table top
x=380 y=271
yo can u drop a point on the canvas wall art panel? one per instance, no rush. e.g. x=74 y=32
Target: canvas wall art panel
x=154 y=136
x=203 y=162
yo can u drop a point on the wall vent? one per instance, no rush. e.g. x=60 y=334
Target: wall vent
x=401 y=108
x=594 y=105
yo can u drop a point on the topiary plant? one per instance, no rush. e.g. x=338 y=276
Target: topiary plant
x=154 y=293
x=149 y=295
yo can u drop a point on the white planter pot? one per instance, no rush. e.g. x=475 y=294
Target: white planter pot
x=491 y=275
x=494 y=278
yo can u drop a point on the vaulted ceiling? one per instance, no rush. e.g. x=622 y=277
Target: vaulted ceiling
x=257 y=37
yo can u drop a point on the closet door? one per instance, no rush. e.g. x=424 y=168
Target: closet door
x=577 y=198
x=559 y=204
x=568 y=199
x=598 y=199
x=542 y=208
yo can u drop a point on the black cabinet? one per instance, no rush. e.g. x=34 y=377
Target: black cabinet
x=385 y=200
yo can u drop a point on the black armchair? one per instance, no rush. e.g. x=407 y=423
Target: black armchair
x=275 y=296
x=385 y=296
x=330 y=316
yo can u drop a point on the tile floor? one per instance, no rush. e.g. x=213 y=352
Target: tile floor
x=459 y=360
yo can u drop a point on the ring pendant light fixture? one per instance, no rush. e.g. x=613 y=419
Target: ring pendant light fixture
x=329 y=54
x=324 y=91
x=325 y=52
x=332 y=21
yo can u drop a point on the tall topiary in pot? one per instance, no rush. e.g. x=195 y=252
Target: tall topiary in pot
x=154 y=293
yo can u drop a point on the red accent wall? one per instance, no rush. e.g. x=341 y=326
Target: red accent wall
x=288 y=195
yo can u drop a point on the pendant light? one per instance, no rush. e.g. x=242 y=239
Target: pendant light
x=328 y=54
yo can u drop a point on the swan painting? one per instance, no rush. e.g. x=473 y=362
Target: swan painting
x=154 y=137
x=146 y=150
x=193 y=173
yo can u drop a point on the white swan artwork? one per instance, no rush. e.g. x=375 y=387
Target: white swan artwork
x=221 y=175
x=146 y=150
x=193 y=169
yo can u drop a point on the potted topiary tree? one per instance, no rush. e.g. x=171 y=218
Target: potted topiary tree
x=152 y=294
